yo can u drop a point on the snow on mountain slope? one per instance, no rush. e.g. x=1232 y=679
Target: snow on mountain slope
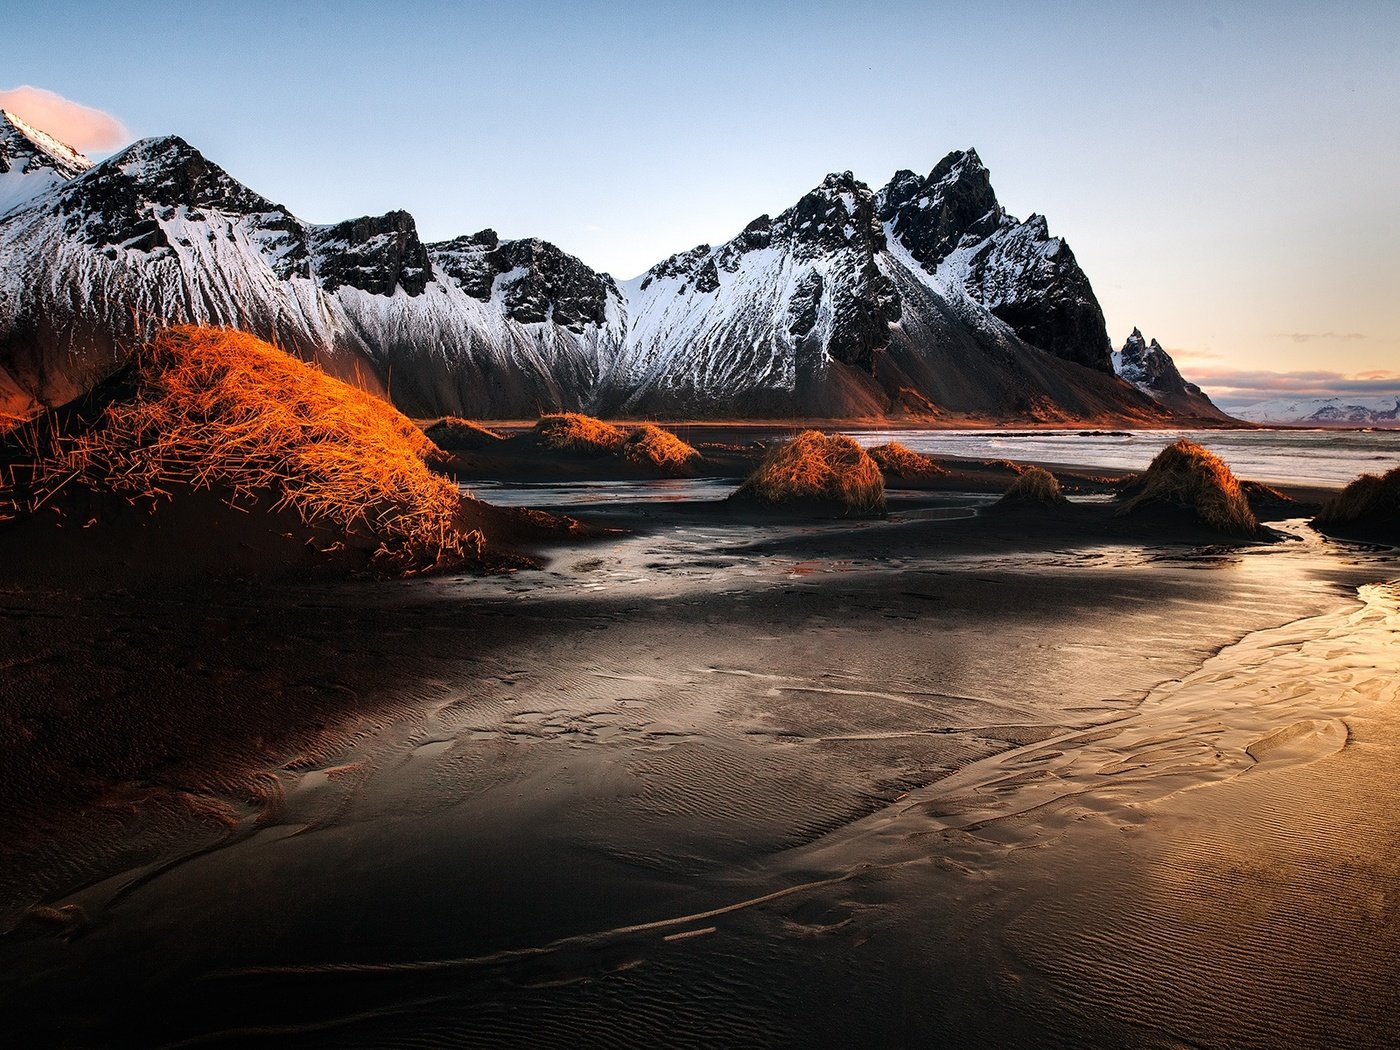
x=32 y=162
x=922 y=299
x=1152 y=370
x=1342 y=411
x=925 y=298
x=158 y=234
x=952 y=225
x=784 y=319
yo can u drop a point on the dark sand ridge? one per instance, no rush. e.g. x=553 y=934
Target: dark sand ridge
x=514 y=778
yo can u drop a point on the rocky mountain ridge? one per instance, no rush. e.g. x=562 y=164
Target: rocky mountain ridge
x=924 y=298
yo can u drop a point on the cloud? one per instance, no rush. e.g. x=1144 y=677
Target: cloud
x=1312 y=337
x=82 y=127
x=1239 y=388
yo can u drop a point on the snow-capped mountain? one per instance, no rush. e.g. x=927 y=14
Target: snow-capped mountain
x=158 y=234
x=32 y=162
x=1326 y=411
x=1151 y=369
x=924 y=298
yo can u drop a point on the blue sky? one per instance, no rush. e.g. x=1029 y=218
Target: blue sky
x=1226 y=172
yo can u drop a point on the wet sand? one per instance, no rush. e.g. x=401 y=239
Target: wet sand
x=920 y=781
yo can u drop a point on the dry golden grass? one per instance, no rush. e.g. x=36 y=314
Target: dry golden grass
x=659 y=448
x=574 y=432
x=1185 y=474
x=1369 y=500
x=9 y=421
x=818 y=468
x=645 y=445
x=451 y=433
x=217 y=409
x=1034 y=485
x=899 y=461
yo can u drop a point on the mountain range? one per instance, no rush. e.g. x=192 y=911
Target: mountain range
x=1326 y=411
x=921 y=299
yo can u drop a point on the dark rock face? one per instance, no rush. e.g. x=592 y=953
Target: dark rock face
x=1020 y=273
x=374 y=254
x=1033 y=282
x=541 y=282
x=802 y=308
x=838 y=220
x=839 y=214
x=933 y=216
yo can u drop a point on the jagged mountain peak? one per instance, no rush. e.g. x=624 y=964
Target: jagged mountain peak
x=838 y=214
x=20 y=141
x=953 y=205
x=32 y=162
x=959 y=164
x=169 y=171
x=533 y=281
x=1151 y=369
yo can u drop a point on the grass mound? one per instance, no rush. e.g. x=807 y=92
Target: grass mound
x=1034 y=485
x=645 y=445
x=1371 y=503
x=1188 y=476
x=899 y=461
x=818 y=469
x=652 y=446
x=573 y=432
x=452 y=434
x=219 y=410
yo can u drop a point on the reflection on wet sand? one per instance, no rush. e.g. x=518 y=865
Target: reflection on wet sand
x=727 y=784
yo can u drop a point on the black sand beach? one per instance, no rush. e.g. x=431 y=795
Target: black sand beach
x=939 y=779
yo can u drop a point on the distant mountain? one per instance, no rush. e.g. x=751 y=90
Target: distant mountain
x=1151 y=369
x=923 y=299
x=1326 y=411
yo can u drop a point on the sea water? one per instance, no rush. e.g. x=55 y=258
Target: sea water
x=1305 y=457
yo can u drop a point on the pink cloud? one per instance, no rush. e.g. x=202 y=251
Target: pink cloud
x=1238 y=388
x=82 y=127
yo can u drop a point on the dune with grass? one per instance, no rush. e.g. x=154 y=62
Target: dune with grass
x=452 y=434
x=1367 y=508
x=903 y=463
x=644 y=446
x=204 y=412
x=826 y=473
x=1187 y=477
x=1034 y=486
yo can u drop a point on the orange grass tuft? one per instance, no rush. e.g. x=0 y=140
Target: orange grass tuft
x=214 y=408
x=645 y=445
x=573 y=432
x=1185 y=474
x=1034 y=485
x=9 y=421
x=652 y=446
x=1371 y=499
x=817 y=467
x=899 y=461
x=451 y=433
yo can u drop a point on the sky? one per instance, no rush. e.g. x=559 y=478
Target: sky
x=1226 y=173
